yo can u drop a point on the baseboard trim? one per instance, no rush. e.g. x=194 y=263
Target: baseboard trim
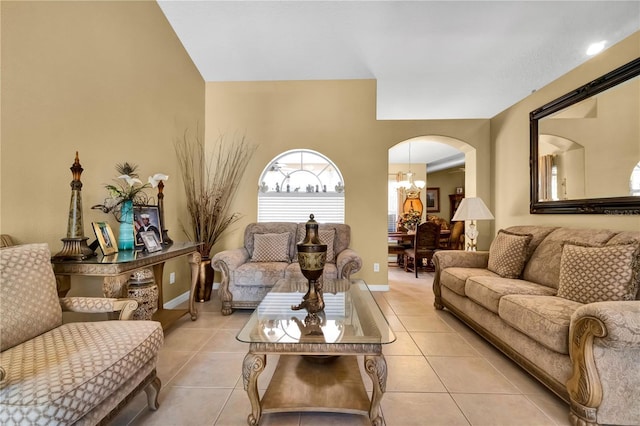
x=184 y=297
x=173 y=303
x=378 y=287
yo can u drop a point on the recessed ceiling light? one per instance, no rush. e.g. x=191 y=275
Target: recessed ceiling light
x=595 y=48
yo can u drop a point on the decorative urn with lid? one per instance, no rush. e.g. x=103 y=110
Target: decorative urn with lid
x=312 y=255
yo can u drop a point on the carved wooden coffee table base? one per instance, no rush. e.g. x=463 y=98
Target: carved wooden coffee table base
x=300 y=384
x=318 y=367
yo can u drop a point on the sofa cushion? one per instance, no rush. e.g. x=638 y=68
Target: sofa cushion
x=29 y=304
x=342 y=237
x=544 y=265
x=71 y=369
x=271 y=247
x=455 y=278
x=327 y=236
x=253 y=274
x=270 y=228
x=293 y=272
x=539 y=234
x=599 y=274
x=487 y=291
x=544 y=319
x=624 y=237
x=508 y=252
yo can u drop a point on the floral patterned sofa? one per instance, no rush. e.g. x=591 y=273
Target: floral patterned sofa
x=563 y=304
x=270 y=253
x=76 y=373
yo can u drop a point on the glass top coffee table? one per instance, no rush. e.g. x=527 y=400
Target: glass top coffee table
x=317 y=369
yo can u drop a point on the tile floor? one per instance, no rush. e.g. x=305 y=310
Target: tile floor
x=439 y=372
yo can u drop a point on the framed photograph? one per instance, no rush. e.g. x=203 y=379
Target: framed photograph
x=106 y=239
x=145 y=219
x=433 y=200
x=459 y=190
x=151 y=241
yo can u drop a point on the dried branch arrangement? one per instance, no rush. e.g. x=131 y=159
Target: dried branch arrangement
x=210 y=183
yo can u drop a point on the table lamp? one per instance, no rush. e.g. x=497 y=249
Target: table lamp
x=472 y=208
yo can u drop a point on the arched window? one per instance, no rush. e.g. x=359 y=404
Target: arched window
x=300 y=182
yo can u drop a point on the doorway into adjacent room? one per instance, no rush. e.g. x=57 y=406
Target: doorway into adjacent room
x=427 y=175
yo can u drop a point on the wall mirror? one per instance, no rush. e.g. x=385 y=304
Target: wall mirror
x=585 y=148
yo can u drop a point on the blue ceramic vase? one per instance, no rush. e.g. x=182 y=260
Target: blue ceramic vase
x=125 y=239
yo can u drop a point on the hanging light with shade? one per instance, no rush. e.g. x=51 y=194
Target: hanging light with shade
x=411 y=186
x=412 y=190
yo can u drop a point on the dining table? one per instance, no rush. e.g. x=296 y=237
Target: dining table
x=405 y=236
x=401 y=236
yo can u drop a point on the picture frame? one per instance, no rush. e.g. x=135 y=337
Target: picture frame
x=106 y=239
x=459 y=190
x=151 y=241
x=146 y=218
x=433 y=200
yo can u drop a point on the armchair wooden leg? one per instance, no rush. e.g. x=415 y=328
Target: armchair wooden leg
x=152 y=391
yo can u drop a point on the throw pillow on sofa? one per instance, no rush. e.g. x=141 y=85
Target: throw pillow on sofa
x=599 y=274
x=508 y=253
x=270 y=247
x=327 y=236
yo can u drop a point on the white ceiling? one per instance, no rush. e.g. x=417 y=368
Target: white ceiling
x=431 y=59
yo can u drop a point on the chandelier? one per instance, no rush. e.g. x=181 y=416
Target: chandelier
x=411 y=186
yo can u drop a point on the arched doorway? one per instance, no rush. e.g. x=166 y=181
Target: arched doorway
x=446 y=165
x=453 y=160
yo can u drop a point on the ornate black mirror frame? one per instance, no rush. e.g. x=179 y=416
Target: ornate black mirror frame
x=611 y=205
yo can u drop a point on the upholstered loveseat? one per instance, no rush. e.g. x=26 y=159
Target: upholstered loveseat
x=270 y=253
x=562 y=303
x=76 y=373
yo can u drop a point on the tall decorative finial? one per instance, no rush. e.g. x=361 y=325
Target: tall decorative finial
x=165 y=233
x=75 y=244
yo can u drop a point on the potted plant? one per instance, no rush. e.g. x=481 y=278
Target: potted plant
x=410 y=220
x=124 y=193
x=210 y=183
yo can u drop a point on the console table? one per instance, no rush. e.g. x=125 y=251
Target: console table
x=115 y=270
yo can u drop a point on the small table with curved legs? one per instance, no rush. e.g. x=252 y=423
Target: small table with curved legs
x=317 y=368
x=116 y=269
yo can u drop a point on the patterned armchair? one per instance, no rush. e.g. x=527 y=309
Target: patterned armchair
x=77 y=373
x=270 y=253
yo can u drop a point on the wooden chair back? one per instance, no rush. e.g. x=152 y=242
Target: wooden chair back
x=455 y=240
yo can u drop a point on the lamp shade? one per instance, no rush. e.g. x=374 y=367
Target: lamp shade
x=472 y=208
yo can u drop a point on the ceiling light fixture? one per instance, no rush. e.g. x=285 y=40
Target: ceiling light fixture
x=413 y=187
x=595 y=48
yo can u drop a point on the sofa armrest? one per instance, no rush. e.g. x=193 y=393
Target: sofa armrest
x=602 y=333
x=444 y=259
x=94 y=305
x=232 y=259
x=621 y=321
x=348 y=262
x=461 y=259
x=225 y=262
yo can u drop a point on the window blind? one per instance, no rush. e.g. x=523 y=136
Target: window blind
x=296 y=207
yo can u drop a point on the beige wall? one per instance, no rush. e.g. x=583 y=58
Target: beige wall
x=510 y=143
x=338 y=119
x=111 y=80
x=447 y=181
x=108 y=79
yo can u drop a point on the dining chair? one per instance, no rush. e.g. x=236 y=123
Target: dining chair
x=455 y=239
x=426 y=242
x=452 y=240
